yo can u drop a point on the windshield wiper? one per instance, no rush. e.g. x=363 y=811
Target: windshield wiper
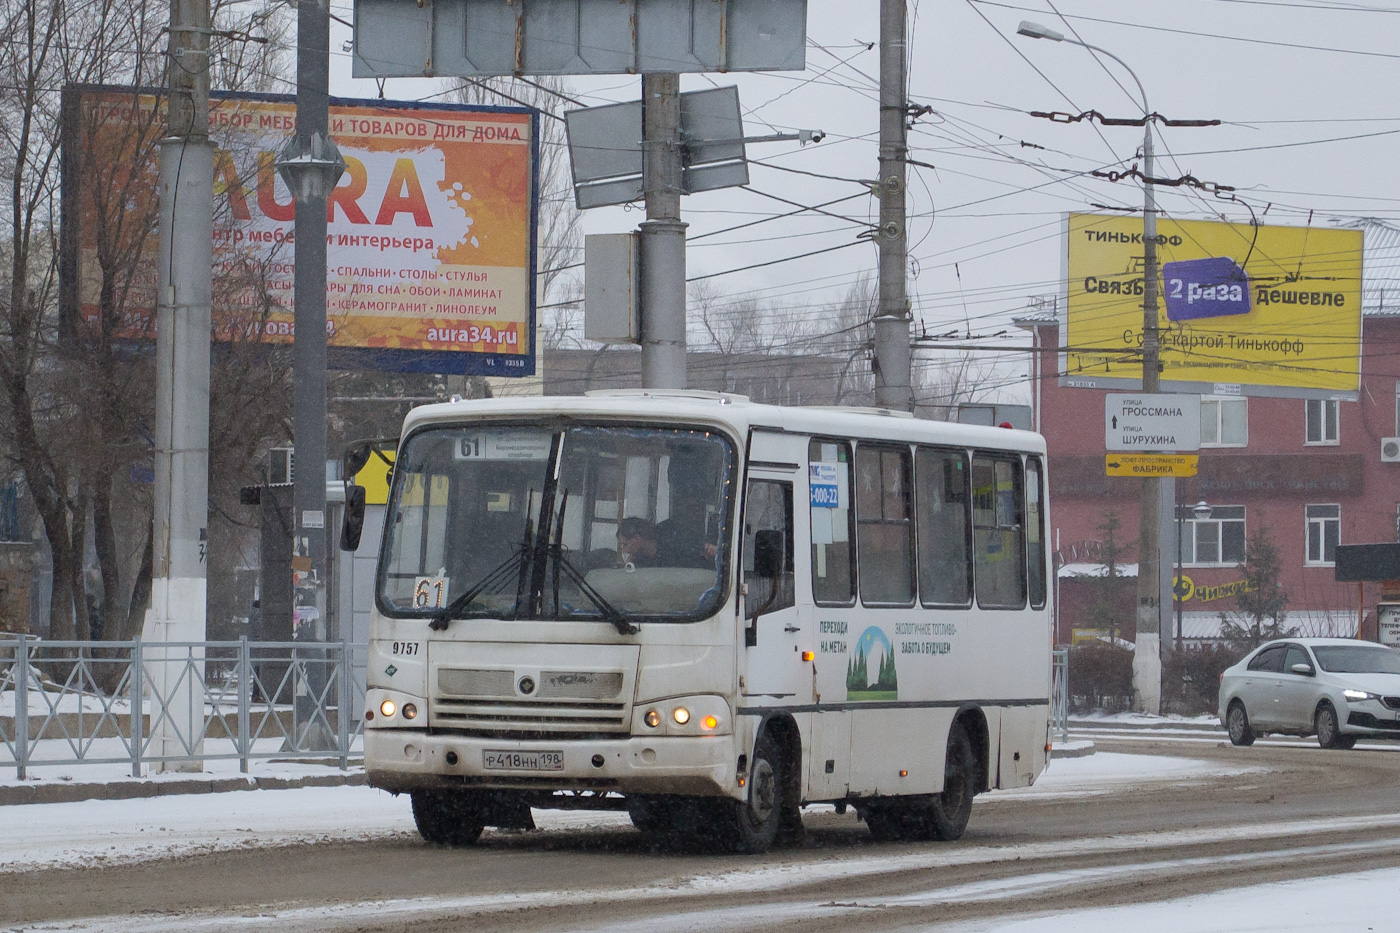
x=606 y=609
x=502 y=572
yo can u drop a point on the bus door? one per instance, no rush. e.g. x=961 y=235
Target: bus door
x=776 y=633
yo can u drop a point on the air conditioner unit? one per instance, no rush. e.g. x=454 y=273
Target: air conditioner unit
x=1390 y=450
x=281 y=465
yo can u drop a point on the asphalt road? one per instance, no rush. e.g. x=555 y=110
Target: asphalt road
x=1298 y=812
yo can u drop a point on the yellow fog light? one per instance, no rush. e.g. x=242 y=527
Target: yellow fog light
x=709 y=722
x=681 y=715
x=652 y=718
x=388 y=708
x=410 y=711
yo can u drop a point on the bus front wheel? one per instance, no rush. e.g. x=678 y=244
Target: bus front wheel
x=751 y=825
x=452 y=818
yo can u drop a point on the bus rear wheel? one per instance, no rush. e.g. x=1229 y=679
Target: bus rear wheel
x=941 y=816
x=950 y=810
x=451 y=818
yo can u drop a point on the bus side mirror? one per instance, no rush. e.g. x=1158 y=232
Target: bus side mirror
x=768 y=554
x=354 y=524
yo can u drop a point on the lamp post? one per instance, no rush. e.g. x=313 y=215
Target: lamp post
x=1147 y=663
x=1201 y=512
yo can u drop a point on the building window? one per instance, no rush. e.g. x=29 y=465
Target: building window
x=1322 y=417
x=1215 y=540
x=1324 y=530
x=1224 y=422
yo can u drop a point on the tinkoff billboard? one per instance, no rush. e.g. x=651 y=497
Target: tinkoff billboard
x=431 y=230
x=1274 y=314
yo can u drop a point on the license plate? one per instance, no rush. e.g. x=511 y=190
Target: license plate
x=498 y=760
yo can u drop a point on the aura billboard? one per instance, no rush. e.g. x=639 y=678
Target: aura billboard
x=1265 y=310
x=430 y=244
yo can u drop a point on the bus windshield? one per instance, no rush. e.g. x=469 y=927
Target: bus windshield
x=617 y=523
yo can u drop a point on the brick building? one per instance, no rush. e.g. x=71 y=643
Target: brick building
x=1314 y=472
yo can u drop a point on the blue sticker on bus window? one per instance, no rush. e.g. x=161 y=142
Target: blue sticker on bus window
x=824 y=479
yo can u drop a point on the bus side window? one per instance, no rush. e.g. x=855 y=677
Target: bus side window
x=833 y=558
x=884 y=525
x=1035 y=532
x=768 y=528
x=945 y=527
x=998 y=531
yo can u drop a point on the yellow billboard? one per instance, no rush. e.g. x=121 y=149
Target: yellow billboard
x=1241 y=310
x=431 y=228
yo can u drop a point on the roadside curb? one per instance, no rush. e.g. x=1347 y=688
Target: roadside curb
x=1079 y=749
x=1092 y=725
x=135 y=788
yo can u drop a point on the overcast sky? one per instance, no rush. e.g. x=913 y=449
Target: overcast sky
x=1305 y=88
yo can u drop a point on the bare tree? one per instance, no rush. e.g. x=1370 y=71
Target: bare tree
x=75 y=402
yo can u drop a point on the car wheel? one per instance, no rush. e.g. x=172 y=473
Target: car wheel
x=1237 y=723
x=1329 y=731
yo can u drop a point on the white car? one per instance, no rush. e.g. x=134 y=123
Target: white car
x=1338 y=689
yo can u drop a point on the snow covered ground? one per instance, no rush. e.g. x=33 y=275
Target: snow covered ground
x=93 y=833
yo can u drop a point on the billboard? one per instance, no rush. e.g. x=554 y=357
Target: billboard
x=430 y=244
x=1238 y=314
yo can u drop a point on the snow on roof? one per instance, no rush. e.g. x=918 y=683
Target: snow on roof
x=1306 y=623
x=1083 y=569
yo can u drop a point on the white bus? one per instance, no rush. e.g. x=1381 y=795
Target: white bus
x=709 y=612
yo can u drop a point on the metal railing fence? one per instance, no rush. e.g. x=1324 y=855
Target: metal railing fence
x=1059 y=694
x=140 y=702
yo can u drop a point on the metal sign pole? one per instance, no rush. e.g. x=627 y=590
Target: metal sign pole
x=662 y=236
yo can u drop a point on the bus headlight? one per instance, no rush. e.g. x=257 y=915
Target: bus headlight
x=388 y=708
x=409 y=711
x=690 y=715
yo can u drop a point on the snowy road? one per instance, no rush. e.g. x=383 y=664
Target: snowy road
x=1174 y=837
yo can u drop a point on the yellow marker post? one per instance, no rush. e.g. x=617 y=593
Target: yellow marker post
x=1150 y=464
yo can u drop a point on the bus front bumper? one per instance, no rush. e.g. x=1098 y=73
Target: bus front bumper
x=401 y=760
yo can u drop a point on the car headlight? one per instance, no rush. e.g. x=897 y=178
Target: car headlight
x=1357 y=696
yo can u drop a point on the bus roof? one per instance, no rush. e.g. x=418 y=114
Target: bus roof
x=736 y=412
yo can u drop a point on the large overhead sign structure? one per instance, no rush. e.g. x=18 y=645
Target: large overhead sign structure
x=1276 y=315
x=431 y=239
x=402 y=39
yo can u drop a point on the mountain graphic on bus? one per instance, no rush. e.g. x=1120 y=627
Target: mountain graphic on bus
x=870 y=671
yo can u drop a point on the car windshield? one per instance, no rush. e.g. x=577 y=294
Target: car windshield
x=1357 y=659
x=546 y=522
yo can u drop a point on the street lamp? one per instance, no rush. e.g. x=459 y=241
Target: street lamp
x=1200 y=512
x=1150 y=509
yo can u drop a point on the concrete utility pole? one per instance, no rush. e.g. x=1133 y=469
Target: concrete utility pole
x=1155 y=499
x=893 y=360
x=662 y=235
x=310 y=165
x=179 y=571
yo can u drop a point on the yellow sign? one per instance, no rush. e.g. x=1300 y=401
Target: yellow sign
x=1150 y=464
x=375 y=476
x=1288 y=316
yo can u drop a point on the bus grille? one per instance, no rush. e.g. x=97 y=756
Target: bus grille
x=565 y=703
x=497 y=717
